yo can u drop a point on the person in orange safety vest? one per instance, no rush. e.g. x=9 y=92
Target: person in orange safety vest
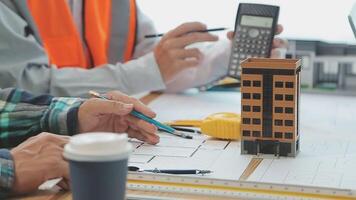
x=67 y=47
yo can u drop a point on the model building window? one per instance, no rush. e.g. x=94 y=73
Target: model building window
x=278 y=109
x=289 y=84
x=246 y=83
x=256 y=133
x=278 y=84
x=246 y=121
x=277 y=134
x=288 y=110
x=288 y=135
x=289 y=97
x=246 y=96
x=278 y=122
x=256 y=96
x=288 y=122
x=256 y=109
x=246 y=133
x=246 y=108
x=256 y=121
x=256 y=83
x=278 y=97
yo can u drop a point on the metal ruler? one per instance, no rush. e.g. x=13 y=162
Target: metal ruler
x=231 y=188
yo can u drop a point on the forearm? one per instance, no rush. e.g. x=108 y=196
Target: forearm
x=135 y=76
x=23 y=115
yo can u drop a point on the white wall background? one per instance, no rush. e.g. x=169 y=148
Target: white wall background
x=302 y=19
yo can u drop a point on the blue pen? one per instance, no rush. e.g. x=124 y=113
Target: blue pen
x=158 y=124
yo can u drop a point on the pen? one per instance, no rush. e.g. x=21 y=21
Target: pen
x=170 y=171
x=202 y=31
x=186 y=129
x=158 y=124
x=179 y=171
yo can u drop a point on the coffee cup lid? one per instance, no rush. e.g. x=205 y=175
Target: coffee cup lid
x=98 y=146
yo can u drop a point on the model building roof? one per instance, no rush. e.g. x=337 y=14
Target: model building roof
x=267 y=63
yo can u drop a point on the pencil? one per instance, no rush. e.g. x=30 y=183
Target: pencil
x=203 y=31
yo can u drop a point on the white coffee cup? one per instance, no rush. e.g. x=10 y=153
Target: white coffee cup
x=98 y=165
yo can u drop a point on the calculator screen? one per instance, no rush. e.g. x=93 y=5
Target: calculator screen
x=264 y=22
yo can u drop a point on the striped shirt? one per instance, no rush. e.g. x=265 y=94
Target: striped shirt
x=23 y=115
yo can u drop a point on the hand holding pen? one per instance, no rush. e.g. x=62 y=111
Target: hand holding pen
x=123 y=121
x=172 y=52
x=146 y=118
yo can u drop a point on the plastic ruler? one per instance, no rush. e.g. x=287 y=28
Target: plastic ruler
x=231 y=188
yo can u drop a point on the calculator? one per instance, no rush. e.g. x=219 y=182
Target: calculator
x=255 y=27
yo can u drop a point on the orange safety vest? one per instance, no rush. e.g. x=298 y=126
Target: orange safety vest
x=61 y=38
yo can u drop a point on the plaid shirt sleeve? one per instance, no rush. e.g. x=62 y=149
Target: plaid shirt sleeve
x=6 y=173
x=23 y=115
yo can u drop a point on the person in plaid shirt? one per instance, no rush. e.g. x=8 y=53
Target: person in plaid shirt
x=34 y=130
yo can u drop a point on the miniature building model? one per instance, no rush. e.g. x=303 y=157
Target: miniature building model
x=269 y=106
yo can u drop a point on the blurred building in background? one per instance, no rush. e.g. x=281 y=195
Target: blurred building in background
x=326 y=66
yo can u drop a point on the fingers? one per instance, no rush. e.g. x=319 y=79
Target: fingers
x=279 y=29
x=143 y=136
x=64 y=184
x=138 y=105
x=184 y=29
x=230 y=35
x=59 y=140
x=170 y=64
x=187 y=53
x=278 y=53
x=279 y=43
x=142 y=125
x=101 y=106
x=65 y=170
x=142 y=130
